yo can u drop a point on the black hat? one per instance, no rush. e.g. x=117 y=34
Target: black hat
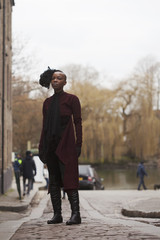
x=28 y=153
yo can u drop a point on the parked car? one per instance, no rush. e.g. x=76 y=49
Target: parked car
x=89 y=179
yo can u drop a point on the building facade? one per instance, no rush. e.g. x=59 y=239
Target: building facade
x=5 y=94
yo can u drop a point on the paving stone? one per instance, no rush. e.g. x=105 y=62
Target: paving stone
x=90 y=228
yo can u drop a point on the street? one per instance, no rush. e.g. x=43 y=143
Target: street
x=101 y=218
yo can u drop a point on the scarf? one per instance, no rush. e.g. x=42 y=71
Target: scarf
x=52 y=125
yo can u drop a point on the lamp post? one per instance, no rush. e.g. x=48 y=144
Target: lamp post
x=158 y=93
x=3 y=95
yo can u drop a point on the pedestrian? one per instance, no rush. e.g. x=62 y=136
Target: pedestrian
x=46 y=175
x=141 y=173
x=60 y=145
x=20 y=162
x=29 y=171
x=33 y=181
x=64 y=194
x=17 y=172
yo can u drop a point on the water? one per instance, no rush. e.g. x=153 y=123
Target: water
x=126 y=178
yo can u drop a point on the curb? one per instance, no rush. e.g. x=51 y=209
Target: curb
x=135 y=213
x=14 y=208
x=18 y=207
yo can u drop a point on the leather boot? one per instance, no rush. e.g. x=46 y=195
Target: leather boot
x=55 y=193
x=73 y=198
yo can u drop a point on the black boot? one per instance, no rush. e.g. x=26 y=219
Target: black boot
x=74 y=202
x=55 y=193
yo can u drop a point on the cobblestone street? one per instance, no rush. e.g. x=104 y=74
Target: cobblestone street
x=108 y=224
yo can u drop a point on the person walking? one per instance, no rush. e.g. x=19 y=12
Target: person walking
x=64 y=194
x=29 y=171
x=60 y=144
x=17 y=172
x=46 y=175
x=141 y=172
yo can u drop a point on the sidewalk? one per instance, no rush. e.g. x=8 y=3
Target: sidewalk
x=145 y=208
x=14 y=212
x=10 y=200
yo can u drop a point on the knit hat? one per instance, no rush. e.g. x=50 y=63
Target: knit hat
x=28 y=153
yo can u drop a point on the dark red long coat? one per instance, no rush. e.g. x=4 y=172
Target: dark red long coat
x=66 y=150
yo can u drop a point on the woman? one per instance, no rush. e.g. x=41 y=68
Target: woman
x=58 y=147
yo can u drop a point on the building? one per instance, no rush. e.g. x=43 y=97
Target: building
x=5 y=94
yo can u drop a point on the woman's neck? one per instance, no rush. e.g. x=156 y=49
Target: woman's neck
x=58 y=92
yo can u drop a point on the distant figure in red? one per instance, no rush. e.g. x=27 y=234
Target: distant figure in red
x=59 y=148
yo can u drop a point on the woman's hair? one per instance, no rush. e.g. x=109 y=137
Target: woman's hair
x=46 y=77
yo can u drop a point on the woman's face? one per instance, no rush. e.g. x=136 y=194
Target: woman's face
x=58 y=81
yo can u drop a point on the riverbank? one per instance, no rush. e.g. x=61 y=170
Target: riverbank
x=126 y=164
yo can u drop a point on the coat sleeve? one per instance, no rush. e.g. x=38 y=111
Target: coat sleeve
x=76 y=110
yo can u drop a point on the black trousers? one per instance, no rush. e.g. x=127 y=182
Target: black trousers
x=29 y=187
x=56 y=170
x=17 y=177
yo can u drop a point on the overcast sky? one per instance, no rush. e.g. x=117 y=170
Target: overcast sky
x=110 y=35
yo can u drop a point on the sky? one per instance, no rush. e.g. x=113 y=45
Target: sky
x=109 y=35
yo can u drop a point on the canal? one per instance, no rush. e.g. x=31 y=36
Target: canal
x=126 y=178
